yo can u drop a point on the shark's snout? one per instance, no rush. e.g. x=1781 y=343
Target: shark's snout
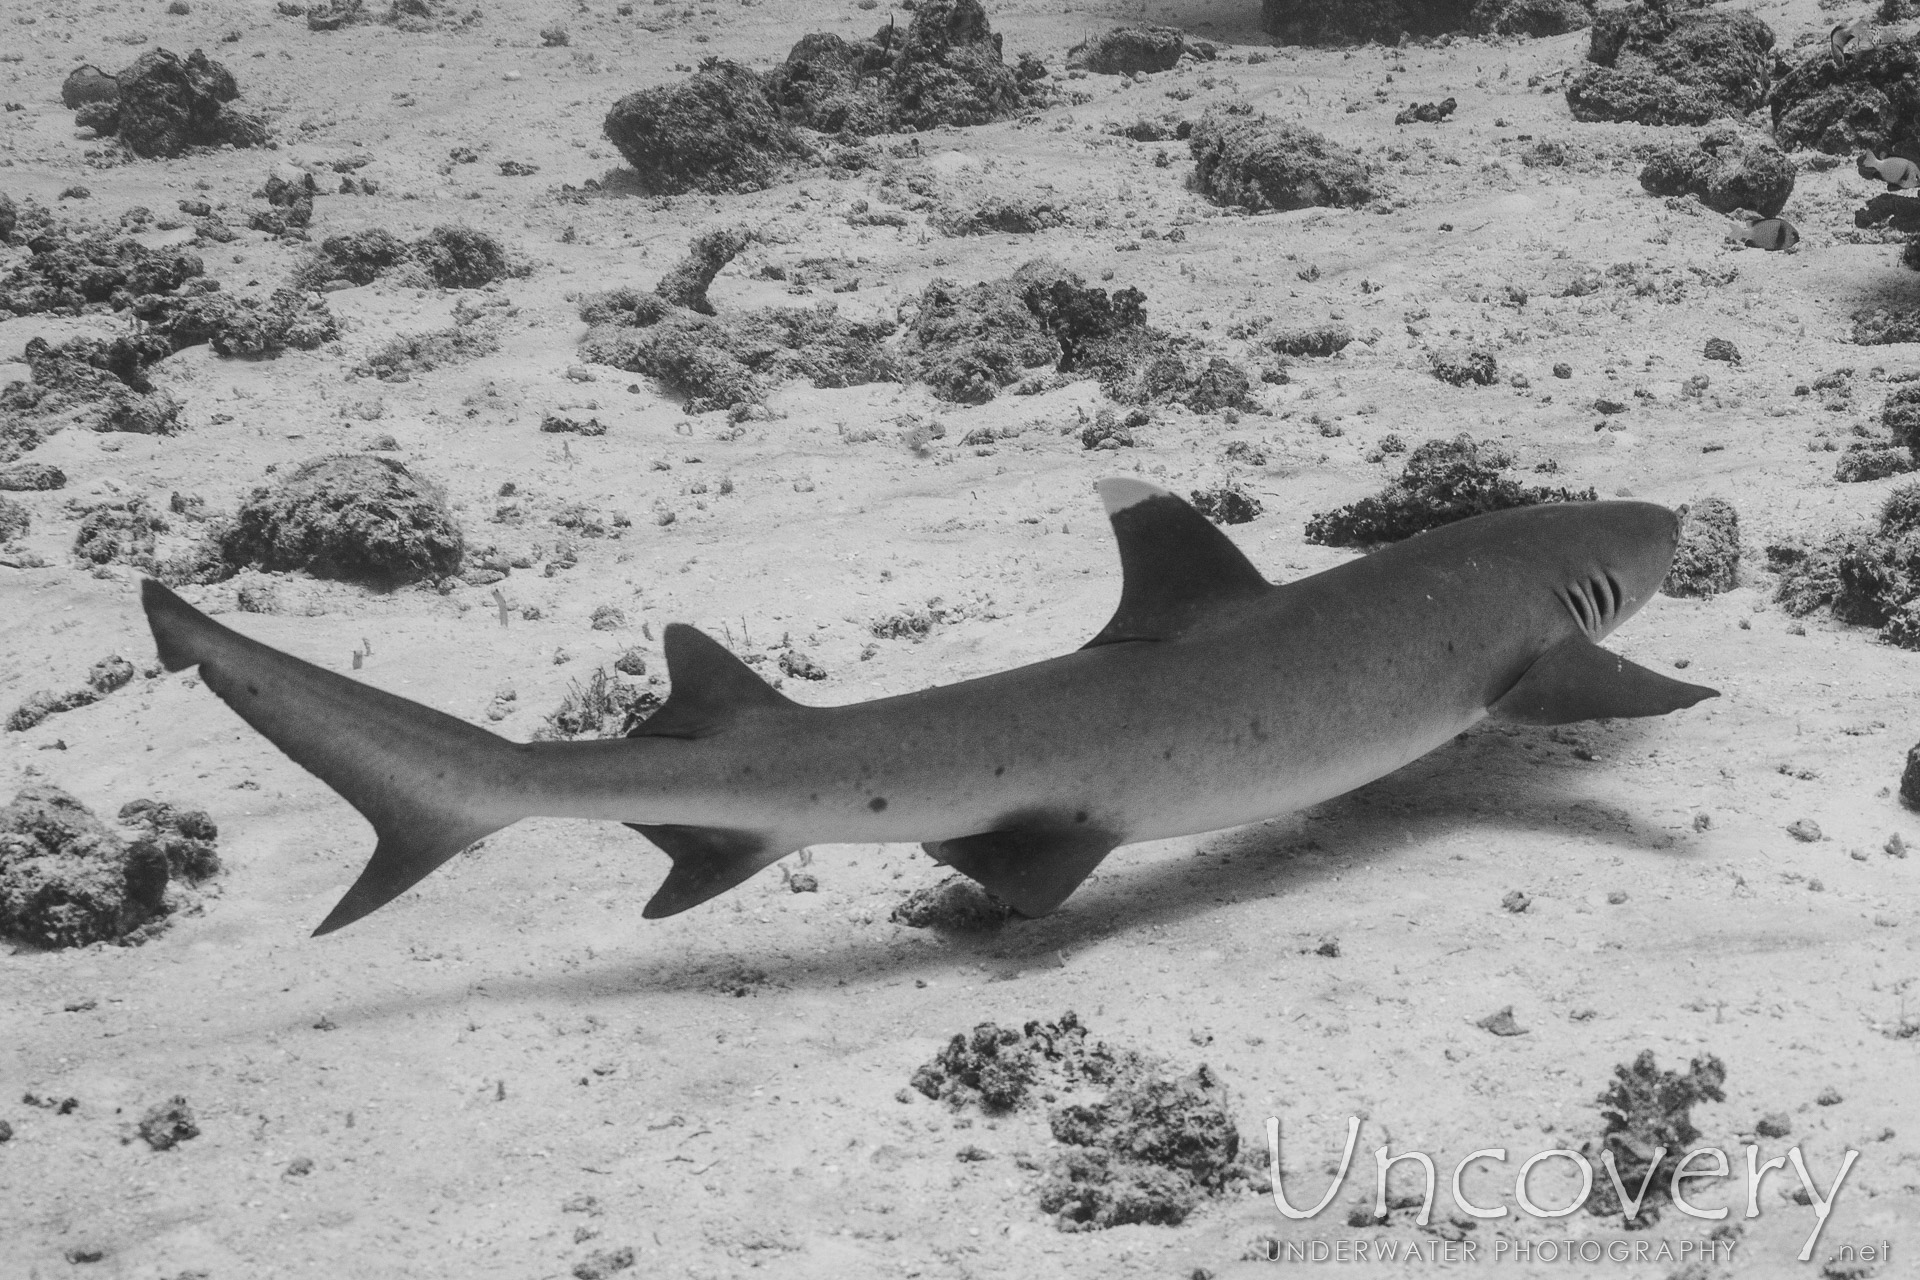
x=1653 y=543
x=1628 y=553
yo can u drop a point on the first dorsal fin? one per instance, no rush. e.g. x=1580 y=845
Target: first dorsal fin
x=710 y=686
x=1174 y=563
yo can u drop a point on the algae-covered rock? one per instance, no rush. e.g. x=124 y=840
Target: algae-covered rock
x=1727 y=169
x=1261 y=163
x=1707 y=560
x=120 y=532
x=1536 y=18
x=348 y=516
x=27 y=476
x=1723 y=54
x=946 y=68
x=1444 y=481
x=1869 y=102
x=357 y=257
x=1338 y=22
x=966 y=342
x=1605 y=94
x=15 y=519
x=1127 y=50
x=717 y=132
x=686 y=283
x=168 y=1124
x=950 y=69
x=956 y=904
x=999 y=216
x=167 y=103
x=69 y=267
x=1323 y=22
x=1648 y=1127
x=1670 y=67
x=66 y=879
x=460 y=257
x=187 y=839
x=87 y=83
x=1867 y=577
x=735 y=361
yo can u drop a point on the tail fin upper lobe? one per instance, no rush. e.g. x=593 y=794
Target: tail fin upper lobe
x=429 y=783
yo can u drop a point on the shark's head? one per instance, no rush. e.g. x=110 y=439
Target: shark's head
x=1615 y=560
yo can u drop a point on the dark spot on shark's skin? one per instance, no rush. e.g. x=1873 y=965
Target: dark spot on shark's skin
x=1080 y=815
x=253 y=689
x=1167 y=754
x=1449 y=646
x=814 y=798
x=999 y=769
x=1253 y=727
x=877 y=804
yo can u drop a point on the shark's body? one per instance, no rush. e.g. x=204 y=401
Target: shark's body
x=1212 y=699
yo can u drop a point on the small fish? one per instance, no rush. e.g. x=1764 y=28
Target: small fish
x=1772 y=234
x=1849 y=36
x=1212 y=698
x=1898 y=172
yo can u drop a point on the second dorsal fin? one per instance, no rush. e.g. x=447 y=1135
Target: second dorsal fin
x=1174 y=563
x=709 y=687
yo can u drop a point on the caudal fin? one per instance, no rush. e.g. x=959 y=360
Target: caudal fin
x=430 y=784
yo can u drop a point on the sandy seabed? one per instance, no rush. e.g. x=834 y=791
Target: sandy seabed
x=508 y=1073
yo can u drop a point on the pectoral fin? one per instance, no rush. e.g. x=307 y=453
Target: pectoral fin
x=1578 y=680
x=1031 y=868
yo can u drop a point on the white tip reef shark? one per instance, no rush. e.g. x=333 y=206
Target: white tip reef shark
x=1213 y=698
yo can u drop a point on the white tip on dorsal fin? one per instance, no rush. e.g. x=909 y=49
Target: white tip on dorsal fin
x=1175 y=564
x=1120 y=492
x=709 y=687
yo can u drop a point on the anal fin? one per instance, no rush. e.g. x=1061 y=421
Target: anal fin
x=1032 y=869
x=707 y=861
x=1578 y=680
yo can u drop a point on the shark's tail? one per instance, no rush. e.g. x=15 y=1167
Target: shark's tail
x=430 y=784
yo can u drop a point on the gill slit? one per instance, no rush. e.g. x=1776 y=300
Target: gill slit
x=1581 y=609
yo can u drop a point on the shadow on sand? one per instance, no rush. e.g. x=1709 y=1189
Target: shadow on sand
x=1895 y=289
x=1496 y=778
